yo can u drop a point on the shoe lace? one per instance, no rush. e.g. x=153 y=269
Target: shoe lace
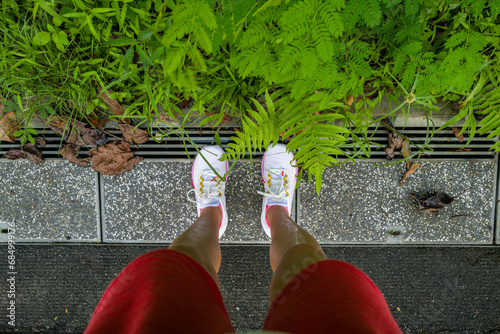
x=211 y=186
x=277 y=186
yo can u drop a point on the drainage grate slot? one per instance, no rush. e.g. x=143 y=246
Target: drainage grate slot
x=444 y=144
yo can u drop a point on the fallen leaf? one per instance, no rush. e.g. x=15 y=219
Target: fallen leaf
x=113 y=158
x=406 y=152
x=113 y=104
x=66 y=310
x=395 y=141
x=459 y=149
x=55 y=318
x=183 y=104
x=164 y=117
x=350 y=100
x=70 y=153
x=99 y=123
x=434 y=204
x=28 y=151
x=397 y=308
x=11 y=192
x=457 y=134
x=76 y=132
x=132 y=134
x=225 y=119
x=40 y=142
x=8 y=125
x=413 y=168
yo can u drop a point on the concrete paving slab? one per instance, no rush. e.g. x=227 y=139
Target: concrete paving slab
x=365 y=203
x=53 y=201
x=149 y=204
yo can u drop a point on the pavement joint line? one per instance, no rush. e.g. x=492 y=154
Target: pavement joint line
x=99 y=198
x=102 y=215
x=496 y=198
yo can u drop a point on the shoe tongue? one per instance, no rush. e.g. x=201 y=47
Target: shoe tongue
x=209 y=176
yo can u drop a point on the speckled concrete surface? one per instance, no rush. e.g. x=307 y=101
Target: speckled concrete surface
x=244 y=205
x=149 y=203
x=55 y=200
x=359 y=202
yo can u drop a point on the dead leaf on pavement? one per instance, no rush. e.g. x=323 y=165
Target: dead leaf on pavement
x=435 y=203
x=28 y=151
x=113 y=158
x=70 y=153
x=225 y=119
x=113 y=104
x=76 y=132
x=458 y=149
x=457 y=134
x=40 y=142
x=132 y=134
x=406 y=152
x=413 y=168
x=395 y=143
x=164 y=117
x=8 y=125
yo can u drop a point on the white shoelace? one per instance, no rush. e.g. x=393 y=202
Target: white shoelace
x=210 y=187
x=277 y=186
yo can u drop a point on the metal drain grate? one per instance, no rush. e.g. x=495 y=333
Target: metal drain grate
x=444 y=144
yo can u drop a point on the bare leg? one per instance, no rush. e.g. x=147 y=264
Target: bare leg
x=200 y=241
x=292 y=249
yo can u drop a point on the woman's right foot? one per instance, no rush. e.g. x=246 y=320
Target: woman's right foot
x=280 y=177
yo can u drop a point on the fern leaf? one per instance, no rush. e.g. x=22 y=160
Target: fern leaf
x=352 y=13
x=322 y=40
x=456 y=39
x=298 y=14
x=331 y=18
x=372 y=15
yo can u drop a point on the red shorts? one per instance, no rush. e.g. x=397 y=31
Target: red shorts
x=166 y=291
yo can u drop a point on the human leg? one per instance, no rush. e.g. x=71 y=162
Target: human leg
x=200 y=241
x=174 y=290
x=308 y=293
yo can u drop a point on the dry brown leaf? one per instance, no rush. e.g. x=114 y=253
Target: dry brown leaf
x=8 y=125
x=113 y=104
x=76 y=132
x=70 y=153
x=458 y=149
x=164 y=117
x=395 y=143
x=406 y=152
x=132 y=134
x=28 y=151
x=225 y=119
x=434 y=204
x=457 y=134
x=183 y=104
x=413 y=168
x=40 y=142
x=350 y=100
x=113 y=158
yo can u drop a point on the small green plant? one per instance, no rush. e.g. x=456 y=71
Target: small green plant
x=324 y=63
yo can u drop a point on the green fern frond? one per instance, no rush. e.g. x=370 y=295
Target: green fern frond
x=322 y=40
x=352 y=13
x=372 y=15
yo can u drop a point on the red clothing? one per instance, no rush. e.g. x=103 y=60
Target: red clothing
x=166 y=291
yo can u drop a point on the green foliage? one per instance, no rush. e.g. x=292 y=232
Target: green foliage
x=312 y=55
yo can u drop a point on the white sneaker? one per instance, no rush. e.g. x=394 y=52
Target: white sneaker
x=208 y=187
x=279 y=178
